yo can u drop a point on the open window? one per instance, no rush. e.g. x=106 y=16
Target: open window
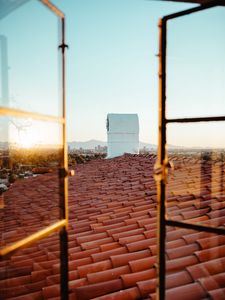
x=33 y=144
x=191 y=125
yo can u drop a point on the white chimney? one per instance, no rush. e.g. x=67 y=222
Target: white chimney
x=122 y=134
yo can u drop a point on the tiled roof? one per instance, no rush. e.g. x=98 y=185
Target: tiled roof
x=112 y=232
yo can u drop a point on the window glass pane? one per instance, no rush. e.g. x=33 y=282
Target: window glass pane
x=31 y=272
x=196 y=64
x=194 y=264
x=30 y=155
x=29 y=60
x=196 y=183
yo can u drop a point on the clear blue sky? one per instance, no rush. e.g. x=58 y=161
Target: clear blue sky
x=112 y=66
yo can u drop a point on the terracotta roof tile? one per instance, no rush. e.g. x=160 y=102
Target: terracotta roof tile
x=82 y=261
x=213 y=282
x=211 y=253
x=112 y=232
x=195 y=213
x=96 y=243
x=186 y=292
x=128 y=233
x=178 y=279
x=140 y=244
x=83 y=253
x=182 y=251
x=53 y=279
x=109 y=246
x=216 y=222
x=131 y=279
x=107 y=254
x=98 y=289
x=40 y=275
x=11 y=282
x=142 y=264
x=211 y=242
x=122 y=228
x=31 y=296
x=191 y=238
x=198 y=271
x=51 y=291
x=126 y=294
x=131 y=239
x=8 y=272
x=176 y=243
x=146 y=287
x=94 y=267
x=123 y=259
x=150 y=233
x=178 y=233
x=218 y=294
x=147 y=221
x=179 y=263
x=135 y=220
x=108 y=274
x=215 y=266
x=73 y=284
x=91 y=237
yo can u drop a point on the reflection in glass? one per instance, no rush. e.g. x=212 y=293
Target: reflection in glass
x=196 y=64
x=30 y=155
x=29 y=77
x=196 y=183
x=195 y=259
x=24 y=274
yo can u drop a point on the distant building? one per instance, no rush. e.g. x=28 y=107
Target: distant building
x=122 y=134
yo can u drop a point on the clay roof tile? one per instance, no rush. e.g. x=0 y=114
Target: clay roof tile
x=108 y=274
x=94 y=267
x=112 y=233
x=210 y=242
x=140 y=244
x=91 y=237
x=142 y=263
x=98 y=289
x=131 y=239
x=212 y=253
x=179 y=263
x=106 y=254
x=182 y=251
x=218 y=294
x=96 y=243
x=123 y=234
x=109 y=246
x=126 y=294
x=83 y=254
x=131 y=279
x=192 y=291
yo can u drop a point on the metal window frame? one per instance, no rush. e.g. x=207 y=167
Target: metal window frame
x=62 y=225
x=161 y=166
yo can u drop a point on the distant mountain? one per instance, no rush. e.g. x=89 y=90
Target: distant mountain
x=91 y=144
x=4 y=145
x=147 y=146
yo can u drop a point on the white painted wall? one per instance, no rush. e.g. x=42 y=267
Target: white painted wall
x=122 y=134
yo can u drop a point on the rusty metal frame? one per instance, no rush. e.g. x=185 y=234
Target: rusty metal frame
x=8 y=111
x=161 y=166
x=62 y=225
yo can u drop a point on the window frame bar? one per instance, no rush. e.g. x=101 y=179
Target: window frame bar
x=196 y=120
x=8 y=111
x=62 y=224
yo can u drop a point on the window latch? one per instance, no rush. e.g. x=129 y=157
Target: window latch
x=161 y=170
